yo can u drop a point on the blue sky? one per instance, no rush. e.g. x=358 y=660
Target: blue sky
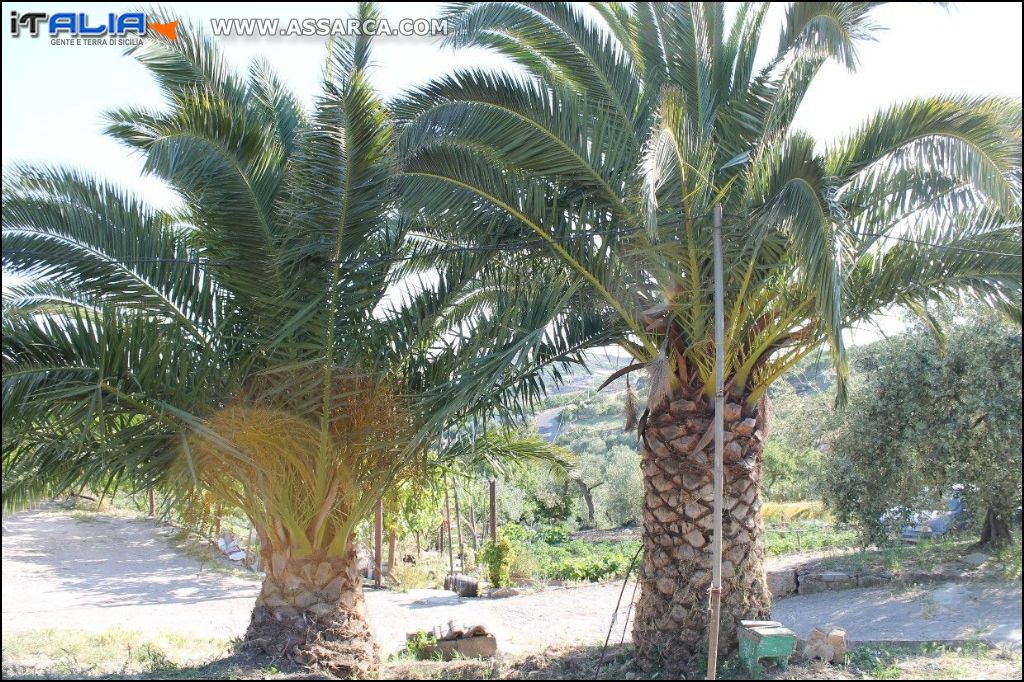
x=54 y=96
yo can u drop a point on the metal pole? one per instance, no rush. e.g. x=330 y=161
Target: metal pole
x=378 y=543
x=716 y=543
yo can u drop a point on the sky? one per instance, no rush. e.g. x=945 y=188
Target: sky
x=54 y=96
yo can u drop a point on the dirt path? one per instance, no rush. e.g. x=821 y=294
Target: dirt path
x=948 y=611
x=62 y=571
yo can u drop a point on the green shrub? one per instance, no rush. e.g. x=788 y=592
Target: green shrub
x=577 y=560
x=525 y=567
x=497 y=556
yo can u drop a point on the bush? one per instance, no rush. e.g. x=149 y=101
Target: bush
x=412 y=577
x=497 y=556
x=524 y=567
x=577 y=560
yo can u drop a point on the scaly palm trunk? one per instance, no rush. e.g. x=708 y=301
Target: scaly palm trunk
x=671 y=625
x=312 y=610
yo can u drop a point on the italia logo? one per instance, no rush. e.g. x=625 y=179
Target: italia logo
x=81 y=25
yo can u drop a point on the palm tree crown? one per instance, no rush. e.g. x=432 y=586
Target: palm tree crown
x=608 y=145
x=274 y=327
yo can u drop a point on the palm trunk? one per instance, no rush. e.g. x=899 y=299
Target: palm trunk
x=995 y=532
x=312 y=610
x=671 y=625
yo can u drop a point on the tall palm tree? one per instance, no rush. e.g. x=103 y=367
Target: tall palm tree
x=272 y=344
x=604 y=149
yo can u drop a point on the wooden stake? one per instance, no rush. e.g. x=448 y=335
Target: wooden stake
x=378 y=544
x=458 y=525
x=716 y=543
x=494 y=510
x=448 y=522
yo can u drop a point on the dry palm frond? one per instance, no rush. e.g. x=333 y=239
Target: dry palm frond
x=631 y=408
x=658 y=372
x=765 y=415
x=304 y=477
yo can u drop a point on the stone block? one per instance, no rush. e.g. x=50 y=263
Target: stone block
x=782 y=583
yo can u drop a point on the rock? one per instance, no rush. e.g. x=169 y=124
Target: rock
x=824 y=581
x=874 y=579
x=817 y=650
x=870 y=580
x=503 y=592
x=837 y=640
x=782 y=583
x=467 y=647
x=914 y=577
x=827 y=644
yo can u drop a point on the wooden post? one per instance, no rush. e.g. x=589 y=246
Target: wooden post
x=378 y=543
x=152 y=503
x=716 y=542
x=494 y=510
x=472 y=520
x=448 y=522
x=458 y=525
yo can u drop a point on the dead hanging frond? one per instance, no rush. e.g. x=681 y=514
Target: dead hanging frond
x=658 y=373
x=631 y=408
x=765 y=414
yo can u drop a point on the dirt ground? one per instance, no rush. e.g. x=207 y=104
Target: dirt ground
x=95 y=572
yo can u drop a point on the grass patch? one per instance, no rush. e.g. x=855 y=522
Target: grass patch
x=926 y=555
x=122 y=654
x=70 y=653
x=971 y=661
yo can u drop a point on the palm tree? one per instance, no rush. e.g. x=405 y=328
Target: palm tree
x=271 y=344
x=604 y=150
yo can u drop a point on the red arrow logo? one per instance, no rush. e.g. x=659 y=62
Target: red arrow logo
x=168 y=30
